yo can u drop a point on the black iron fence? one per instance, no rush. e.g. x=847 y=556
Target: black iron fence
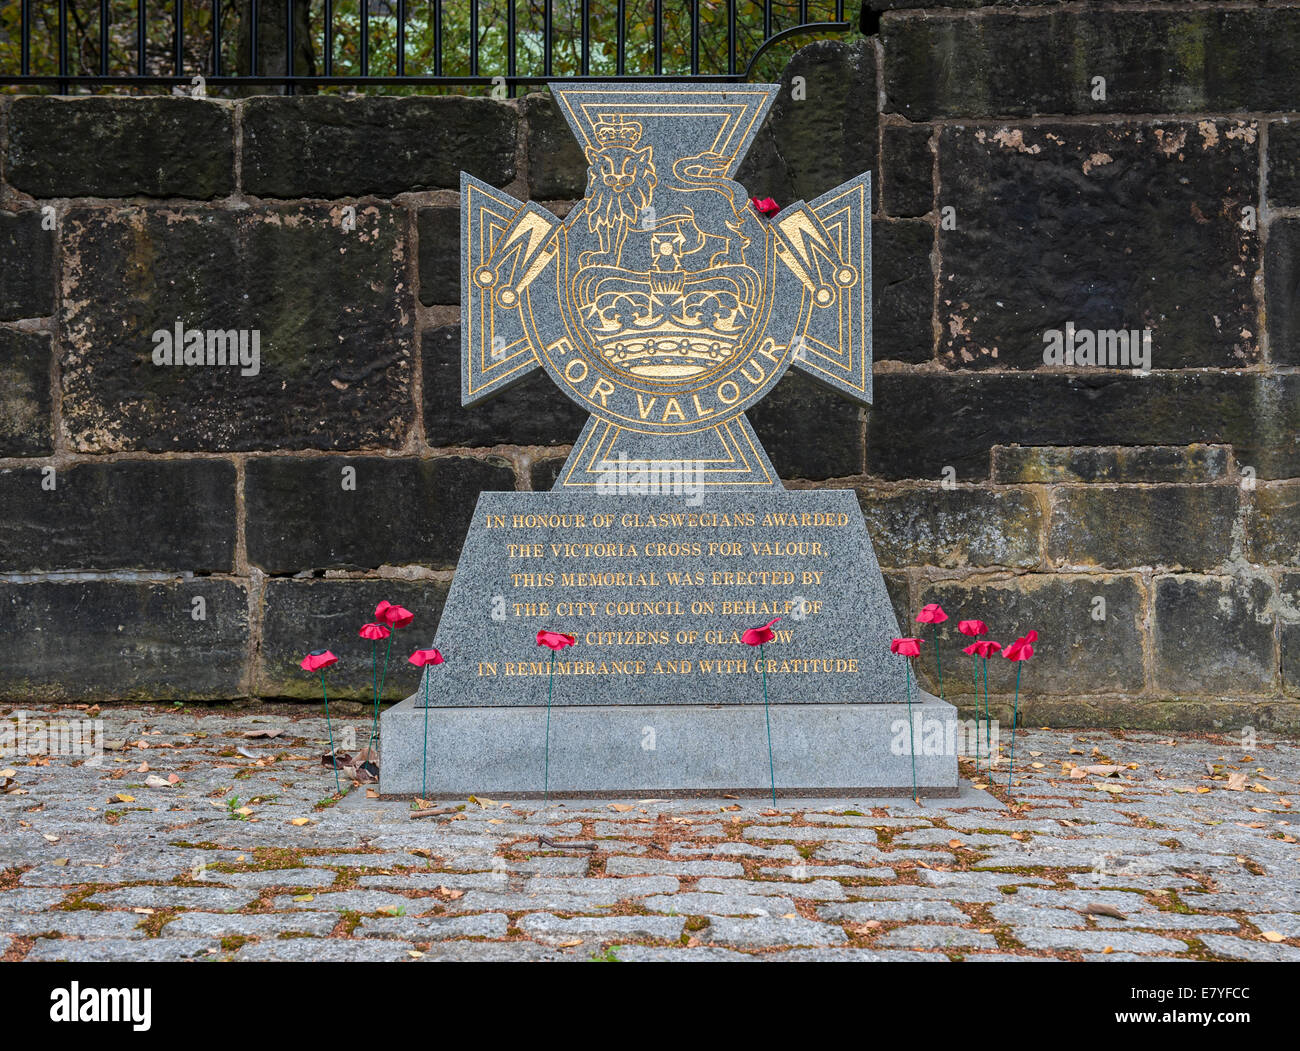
x=494 y=45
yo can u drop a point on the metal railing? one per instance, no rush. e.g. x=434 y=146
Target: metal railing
x=500 y=45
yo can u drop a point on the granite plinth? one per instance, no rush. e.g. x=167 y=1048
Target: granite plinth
x=657 y=590
x=668 y=749
x=659 y=693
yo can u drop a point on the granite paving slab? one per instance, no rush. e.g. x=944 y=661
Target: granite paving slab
x=178 y=874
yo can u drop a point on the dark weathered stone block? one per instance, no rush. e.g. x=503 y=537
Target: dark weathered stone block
x=150 y=515
x=899 y=595
x=907 y=169
x=1273 y=525
x=299 y=616
x=160 y=146
x=1075 y=653
x=918 y=424
x=439 y=255
x=557 y=167
x=1154 y=463
x=933 y=526
x=1283 y=164
x=333 y=307
x=1282 y=287
x=1171 y=526
x=402 y=511
x=92 y=640
x=543 y=472
x=533 y=413
x=808 y=431
x=27 y=273
x=326 y=146
x=1116 y=229
x=1289 y=627
x=902 y=291
x=811 y=145
x=1007 y=63
x=25 y=428
x=1214 y=635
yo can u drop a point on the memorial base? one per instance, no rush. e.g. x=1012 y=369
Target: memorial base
x=690 y=749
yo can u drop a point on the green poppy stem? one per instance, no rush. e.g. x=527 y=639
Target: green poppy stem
x=374 y=679
x=550 y=684
x=977 y=712
x=988 y=720
x=334 y=762
x=1015 y=715
x=911 y=736
x=374 y=726
x=937 y=661
x=771 y=770
x=424 y=777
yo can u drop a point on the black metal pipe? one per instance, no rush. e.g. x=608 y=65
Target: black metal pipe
x=290 y=66
x=103 y=37
x=25 y=32
x=475 y=30
x=512 y=46
x=586 y=38
x=327 y=38
x=695 y=36
x=401 y=38
x=731 y=39
x=658 y=29
x=548 y=19
x=63 y=47
x=365 y=37
x=437 y=38
x=178 y=38
x=345 y=81
x=620 y=40
x=216 y=38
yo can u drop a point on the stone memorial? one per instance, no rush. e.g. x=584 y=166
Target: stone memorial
x=665 y=304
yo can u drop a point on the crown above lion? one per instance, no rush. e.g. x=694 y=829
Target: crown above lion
x=616 y=130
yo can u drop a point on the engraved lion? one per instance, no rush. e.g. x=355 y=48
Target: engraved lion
x=620 y=186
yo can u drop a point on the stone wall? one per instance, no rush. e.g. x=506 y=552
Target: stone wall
x=1145 y=524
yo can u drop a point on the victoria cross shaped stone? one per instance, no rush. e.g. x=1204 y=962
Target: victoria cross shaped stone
x=663 y=303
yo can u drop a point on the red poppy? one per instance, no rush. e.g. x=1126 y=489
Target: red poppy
x=374 y=632
x=1022 y=649
x=906 y=647
x=931 y=614
x=393 y=616
x=317 y=659
x=974 y=628
x=556 y=640
x=422 y=657
x=761 y=635
x=765 y=206
x=983 y=648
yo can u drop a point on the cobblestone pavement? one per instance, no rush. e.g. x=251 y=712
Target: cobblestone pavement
x=196 y=841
